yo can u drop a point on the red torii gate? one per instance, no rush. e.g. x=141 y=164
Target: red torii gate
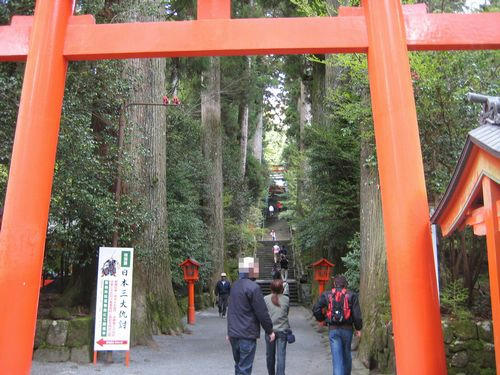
x=381 y=28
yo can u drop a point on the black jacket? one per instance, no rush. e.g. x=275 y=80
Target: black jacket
x=284 y=263
x=247 y=311
x=222 y=288
x=353 y=300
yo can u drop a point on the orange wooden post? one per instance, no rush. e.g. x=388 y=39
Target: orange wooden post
x=191 y=311
x=22 y=239
x=414 y=302
x=190 y=268
x=127 y=358
x=322 y=271
x=321 y=287
x=213 y=9
x=491 y=199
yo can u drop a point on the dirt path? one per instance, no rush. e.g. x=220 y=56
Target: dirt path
x=207 y=352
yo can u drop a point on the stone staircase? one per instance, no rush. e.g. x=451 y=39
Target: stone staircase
x=266 y=260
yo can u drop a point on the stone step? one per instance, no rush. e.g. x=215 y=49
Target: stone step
x=266 y=258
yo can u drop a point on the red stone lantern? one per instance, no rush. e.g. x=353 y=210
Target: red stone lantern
x=322 y=271
x=190 y=268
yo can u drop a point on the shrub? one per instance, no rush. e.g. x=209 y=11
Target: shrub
x=351 y=262
x=453 y=299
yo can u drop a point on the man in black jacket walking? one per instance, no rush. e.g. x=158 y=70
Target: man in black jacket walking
x=339 y=308
x=222 y=290
x=247 y=311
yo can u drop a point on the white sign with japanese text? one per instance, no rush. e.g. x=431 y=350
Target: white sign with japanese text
x=114 y=299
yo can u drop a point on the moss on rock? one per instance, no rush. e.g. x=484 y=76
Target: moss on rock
x=464 y=329
x=42 y=327
x=59 y=313
x=59 y=354
x=58 y=332
x=460 y=359
x=487 y=371
x=474 y=345
x=485 y=331
x=448 y=333
x=79 y=332
x=472 y=368
x=487 y=359
x=164 y=317
x=457 y=346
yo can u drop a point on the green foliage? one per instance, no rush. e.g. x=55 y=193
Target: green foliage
x=256 y=178
x=58 y=313
x=83 y=208
x=352 y=262
x=15 y=7
x=10 y=90
x=454 y=297
x=243 y=82
x=311 y=7
x=329 y=210
x=186 y=170
x=441 y=82
x=4 y=174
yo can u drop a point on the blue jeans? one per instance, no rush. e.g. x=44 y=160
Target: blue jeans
x=276 y=354
x=340 y=345
x=243 y=354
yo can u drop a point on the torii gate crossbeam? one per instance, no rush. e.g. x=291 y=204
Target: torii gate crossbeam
x=53 y=37
x=344 y=34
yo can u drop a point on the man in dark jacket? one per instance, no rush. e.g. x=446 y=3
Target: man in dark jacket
x=340 y=325
x=222 y=290
x=284 y=267
x=247 y=311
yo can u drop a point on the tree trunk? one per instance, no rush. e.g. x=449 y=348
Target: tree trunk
x=154 y=307
x=318 y=92
x=304 y=107
x=374 y=293
x=212 y=150
x=244 y=121
x=257 y=137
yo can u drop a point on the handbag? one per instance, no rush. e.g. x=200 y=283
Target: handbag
x=290 y=337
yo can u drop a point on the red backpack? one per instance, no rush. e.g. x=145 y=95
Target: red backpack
x=338 y=307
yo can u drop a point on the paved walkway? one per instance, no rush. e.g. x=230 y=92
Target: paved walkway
x=206 y=351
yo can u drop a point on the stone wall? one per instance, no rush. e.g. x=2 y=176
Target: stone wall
x=468 y=345
x=63 y=340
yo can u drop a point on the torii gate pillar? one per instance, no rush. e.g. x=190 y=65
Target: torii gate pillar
x=416 y=318
x=22 y=238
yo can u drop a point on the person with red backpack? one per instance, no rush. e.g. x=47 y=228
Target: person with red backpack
x=339 y=309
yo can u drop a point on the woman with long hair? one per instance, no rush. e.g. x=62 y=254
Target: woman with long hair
x=278 y=306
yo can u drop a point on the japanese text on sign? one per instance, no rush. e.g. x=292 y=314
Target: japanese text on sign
x=114 y=299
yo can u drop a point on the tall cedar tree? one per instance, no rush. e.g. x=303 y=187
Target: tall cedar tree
x=154 y=305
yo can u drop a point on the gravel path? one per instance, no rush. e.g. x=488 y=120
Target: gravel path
x=206 y=351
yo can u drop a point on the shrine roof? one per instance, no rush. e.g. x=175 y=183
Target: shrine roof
x=487 y=137
x=481 y=143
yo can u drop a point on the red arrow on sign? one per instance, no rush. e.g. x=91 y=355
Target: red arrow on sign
x=103 y=342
